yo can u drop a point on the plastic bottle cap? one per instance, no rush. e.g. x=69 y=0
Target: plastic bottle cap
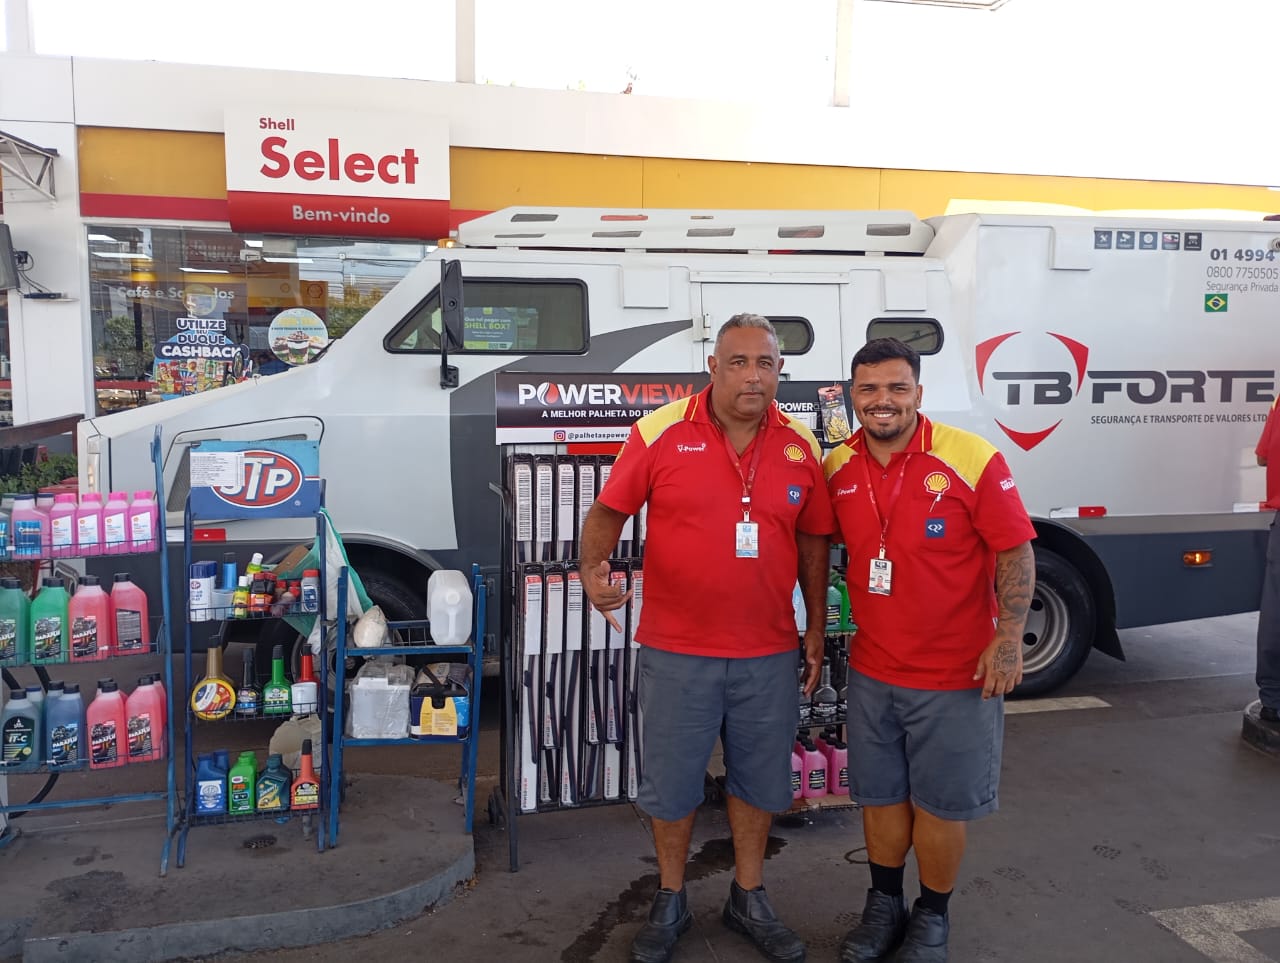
x=53 y=581
x=145 y=495
x=17 y=694
x=277 y=652
x=255 y=559
x=88 y=580
x=107 y=685
x=121 y=577
x=311 y=572
x=71 y=688
x=244 y=581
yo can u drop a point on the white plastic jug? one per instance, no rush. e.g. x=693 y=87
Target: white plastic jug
x=449 y=607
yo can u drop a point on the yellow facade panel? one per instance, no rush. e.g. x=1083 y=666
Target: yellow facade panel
x=155 y=163
x=744 y=185
x=487 y=180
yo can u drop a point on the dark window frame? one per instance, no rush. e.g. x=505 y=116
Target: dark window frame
x=929 y=322
x=434 y=293
x=794 y=319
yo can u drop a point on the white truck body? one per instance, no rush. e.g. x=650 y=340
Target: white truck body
x=1124 y=367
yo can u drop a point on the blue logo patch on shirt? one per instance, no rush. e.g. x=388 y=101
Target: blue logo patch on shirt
x=935 y=527
x=793 y=494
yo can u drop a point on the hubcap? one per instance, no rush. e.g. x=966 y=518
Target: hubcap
x=1048 y=624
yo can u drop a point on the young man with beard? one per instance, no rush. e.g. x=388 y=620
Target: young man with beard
x=931 y=520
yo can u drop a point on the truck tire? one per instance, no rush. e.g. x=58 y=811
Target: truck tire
x=1060 y=626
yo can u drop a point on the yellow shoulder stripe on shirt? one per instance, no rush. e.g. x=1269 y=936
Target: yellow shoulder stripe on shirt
x=652 y=425
x=836 y=459
x=963 y=452
x=805 y=434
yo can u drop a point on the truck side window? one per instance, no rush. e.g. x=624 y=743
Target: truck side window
x=923 y=334
x=503 y=316
x=795 y=335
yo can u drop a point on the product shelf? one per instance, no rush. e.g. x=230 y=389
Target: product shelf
x=308 y=504
x=160 y=644
x=416 y=631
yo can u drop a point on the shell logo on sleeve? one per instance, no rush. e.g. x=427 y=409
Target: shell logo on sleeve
x=935 y=483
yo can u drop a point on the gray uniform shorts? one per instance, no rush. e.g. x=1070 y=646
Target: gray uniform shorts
x=687 y=701
x=938 y=748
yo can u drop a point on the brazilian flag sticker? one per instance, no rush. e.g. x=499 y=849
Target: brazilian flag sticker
x=1215 y=303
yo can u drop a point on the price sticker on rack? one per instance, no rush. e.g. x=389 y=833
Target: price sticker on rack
x=217 y=469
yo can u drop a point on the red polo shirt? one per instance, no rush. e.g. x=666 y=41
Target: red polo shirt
x=956 y=507
x=699 y=597
x=1269 y=448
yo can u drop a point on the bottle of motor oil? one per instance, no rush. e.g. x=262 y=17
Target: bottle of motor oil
x=242 y=783
x=833 y=607
x=19 y=734
x=89 y=524
x=143 y=522
x=305 y=792
x=108 y=727
x=30 y=528
x=133 y=622
x=115 y=524
x=304 y=693
x=15 y=623
x=211 y=786
x=277 y=697
x=824 y=697
x=50 y=625
x=240 y=600
x=62 y=526
x=248 y=696
x=797 y=774
x=214 y=696
x=274 y=786
x=92 y=622
x=64 y=726
x=814 y=772
x=838 y=770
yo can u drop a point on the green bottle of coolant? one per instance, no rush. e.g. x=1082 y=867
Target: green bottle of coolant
x=242 y=783
x=277 y=697
x=273 y=786
x=15 y=623
x=49 y=624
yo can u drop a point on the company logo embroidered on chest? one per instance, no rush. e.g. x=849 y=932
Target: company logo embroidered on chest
x=936 y=483
x=842 y=492
x=686 y=449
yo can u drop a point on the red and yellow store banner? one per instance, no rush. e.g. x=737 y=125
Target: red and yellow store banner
x=177 y=175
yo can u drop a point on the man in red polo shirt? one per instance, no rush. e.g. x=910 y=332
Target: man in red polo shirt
x=1268 y=666
x=931 y=520
x=738 y=510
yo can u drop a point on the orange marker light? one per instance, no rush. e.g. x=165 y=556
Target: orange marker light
x=1199 y=558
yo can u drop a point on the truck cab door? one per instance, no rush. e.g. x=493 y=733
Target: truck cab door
x=805 y=315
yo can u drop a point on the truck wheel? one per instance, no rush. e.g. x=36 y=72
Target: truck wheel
x=1060 y=626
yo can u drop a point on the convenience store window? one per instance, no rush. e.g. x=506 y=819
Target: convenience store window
x=178 y=311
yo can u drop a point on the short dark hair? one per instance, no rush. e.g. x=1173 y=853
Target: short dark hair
x=886 y=349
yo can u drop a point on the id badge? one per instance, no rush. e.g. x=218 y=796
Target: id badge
x=880 y=577
x=746 y=538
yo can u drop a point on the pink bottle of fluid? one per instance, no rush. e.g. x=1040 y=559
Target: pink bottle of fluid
x=132 y=620
x=144 y=522
x=62 y=526
x=44 y=505
x=144 y=715
x=93 y=622
x=89 y=524
x=108 y=727
x=797 y=774
x=115 y=524
x=838 y=771
x=813 y=772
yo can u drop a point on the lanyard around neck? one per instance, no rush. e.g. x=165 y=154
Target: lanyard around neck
x=883 y=517
x=748 y=479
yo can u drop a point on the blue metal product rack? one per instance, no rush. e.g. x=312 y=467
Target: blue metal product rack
x=160 y=644
x=417 y=633
x=308 y=505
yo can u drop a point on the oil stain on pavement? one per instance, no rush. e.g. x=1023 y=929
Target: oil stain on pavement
x=632 y=904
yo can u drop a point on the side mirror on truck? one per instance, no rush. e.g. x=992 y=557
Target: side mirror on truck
x=450 y=319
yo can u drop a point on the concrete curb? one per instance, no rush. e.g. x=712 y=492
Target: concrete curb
x=294 y=928
x=1263 y=736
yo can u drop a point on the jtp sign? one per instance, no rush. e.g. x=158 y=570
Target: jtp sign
x=320 y=172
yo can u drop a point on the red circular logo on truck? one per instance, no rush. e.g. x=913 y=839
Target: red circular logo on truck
x=270 y=479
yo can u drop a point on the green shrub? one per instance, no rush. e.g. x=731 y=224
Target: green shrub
x=34 y=477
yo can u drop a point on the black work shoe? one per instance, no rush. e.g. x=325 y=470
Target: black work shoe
x=1268 y=714
x=926 y=939
x=884 y=921
x=748 y=912
x=669 y=917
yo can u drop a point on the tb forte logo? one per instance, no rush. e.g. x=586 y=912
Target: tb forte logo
x=1030 y=380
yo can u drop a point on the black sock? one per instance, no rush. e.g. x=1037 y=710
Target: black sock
x=887 y=879
x=931 y=899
